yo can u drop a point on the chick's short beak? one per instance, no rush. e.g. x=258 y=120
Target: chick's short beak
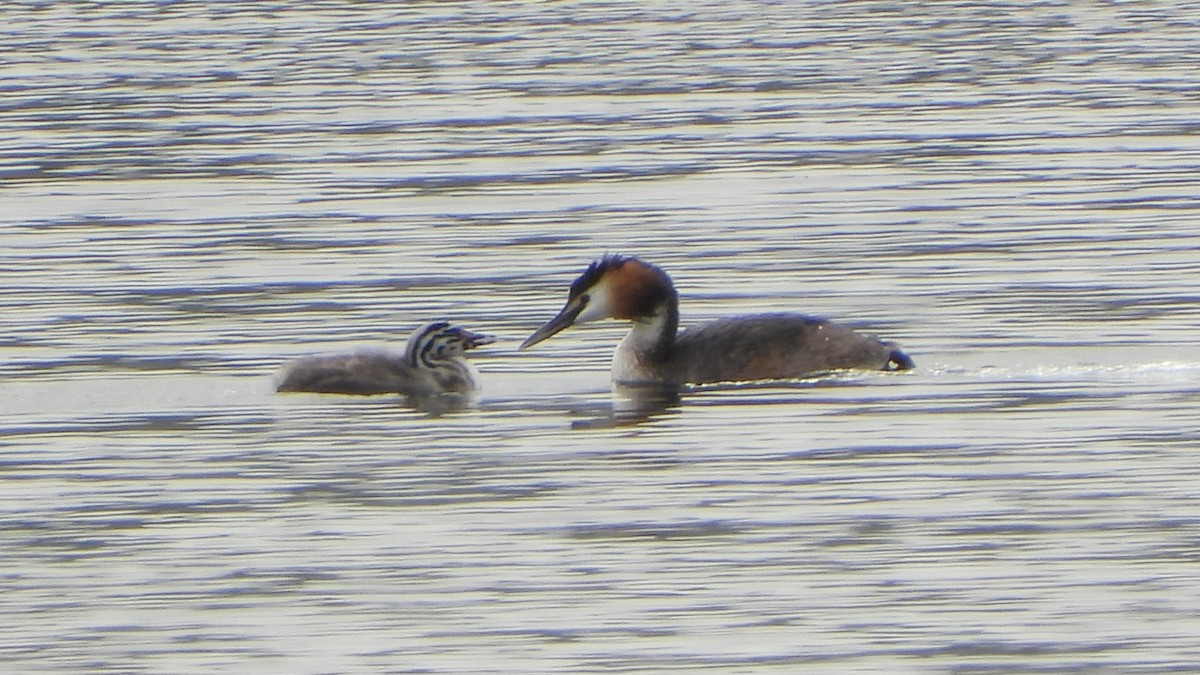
x=564 y=319
x=473 y=340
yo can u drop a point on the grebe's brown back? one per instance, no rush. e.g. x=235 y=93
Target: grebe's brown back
x=432 y=364
x=754 y=347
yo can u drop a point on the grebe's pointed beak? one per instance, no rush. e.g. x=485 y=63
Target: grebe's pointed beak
x=564 y=319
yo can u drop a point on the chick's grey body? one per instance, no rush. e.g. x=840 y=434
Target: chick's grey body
x=370 y=372
x=432 y=364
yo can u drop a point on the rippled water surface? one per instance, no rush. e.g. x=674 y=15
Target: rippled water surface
x=194 y=193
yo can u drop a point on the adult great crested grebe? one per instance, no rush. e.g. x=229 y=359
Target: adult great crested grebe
x=431 y=365
x=741 y=348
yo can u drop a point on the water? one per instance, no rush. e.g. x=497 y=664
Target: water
x=196 y=192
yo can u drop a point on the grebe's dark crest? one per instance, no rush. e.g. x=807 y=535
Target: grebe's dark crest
x=432 y=364
x=754 y=347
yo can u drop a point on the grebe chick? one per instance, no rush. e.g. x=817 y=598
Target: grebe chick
x=432 y=364
x=742 y=348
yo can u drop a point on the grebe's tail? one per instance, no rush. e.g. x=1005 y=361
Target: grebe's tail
x=898 y=360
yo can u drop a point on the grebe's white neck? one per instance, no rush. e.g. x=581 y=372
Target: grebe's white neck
x=646 y=348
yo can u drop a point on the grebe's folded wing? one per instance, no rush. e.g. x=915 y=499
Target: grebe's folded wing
x=778 y=346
